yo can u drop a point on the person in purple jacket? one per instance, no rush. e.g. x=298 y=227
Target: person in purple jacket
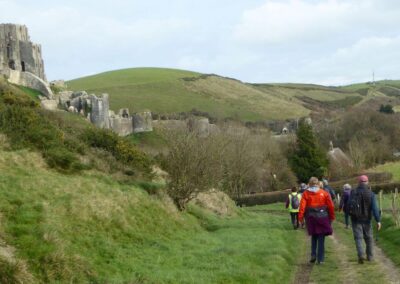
x=344 y=203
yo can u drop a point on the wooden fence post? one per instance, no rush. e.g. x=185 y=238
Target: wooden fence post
x=395 y=209
x=380 y=202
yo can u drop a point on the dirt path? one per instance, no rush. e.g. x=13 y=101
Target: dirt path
x=382 y=270
x=391 y=271
x=342 y=263
x=304 y=267
x=346 y=270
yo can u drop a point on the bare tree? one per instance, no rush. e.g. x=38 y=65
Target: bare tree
x=193 y=164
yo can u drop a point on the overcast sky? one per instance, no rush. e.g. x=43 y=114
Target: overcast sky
x=327 y=42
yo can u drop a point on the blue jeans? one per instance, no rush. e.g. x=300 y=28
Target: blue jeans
x=318 y=247
x=363 y=231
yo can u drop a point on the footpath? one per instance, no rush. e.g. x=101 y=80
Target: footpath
x=341 y=263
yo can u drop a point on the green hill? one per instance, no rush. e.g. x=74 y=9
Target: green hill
x=173 y=91
x=167 y=91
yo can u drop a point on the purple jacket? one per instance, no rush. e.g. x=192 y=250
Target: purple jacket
x=345 y=200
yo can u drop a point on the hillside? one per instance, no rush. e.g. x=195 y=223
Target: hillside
x=166 y=91
x=89 y=228
x=173 y=91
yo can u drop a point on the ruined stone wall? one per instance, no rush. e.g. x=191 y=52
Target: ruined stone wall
x=142 y=122
x=123 y=126
x=99 y=114
x=18 y=53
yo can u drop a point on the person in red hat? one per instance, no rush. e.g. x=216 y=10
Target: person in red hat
x=362 y=206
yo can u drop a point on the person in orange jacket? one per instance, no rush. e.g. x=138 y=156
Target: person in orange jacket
x=317 y=208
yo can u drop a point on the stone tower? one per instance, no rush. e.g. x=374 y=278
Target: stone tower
x=18 y=53
x=99 y=114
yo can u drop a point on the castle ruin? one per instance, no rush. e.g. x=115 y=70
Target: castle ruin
x=21 y=60
x=97 y=110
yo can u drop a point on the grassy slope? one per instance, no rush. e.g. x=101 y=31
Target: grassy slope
x=164 y=91
x=171 y=91
x=393 y=83
x=316 y=92
x=392 y=167
x=90 y=228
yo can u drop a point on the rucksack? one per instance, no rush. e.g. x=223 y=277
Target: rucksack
x=295 y=202
x=359 y=205
x=331 y=192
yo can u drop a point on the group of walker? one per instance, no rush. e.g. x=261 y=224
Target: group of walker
x=313 y=205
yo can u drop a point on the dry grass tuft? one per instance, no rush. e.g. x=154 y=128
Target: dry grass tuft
x=217 y=202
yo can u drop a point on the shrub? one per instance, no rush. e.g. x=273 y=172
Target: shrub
x=62 y=159
x=262 y=198
x=386 y=109
x=122 y=149
x=100 y=138
x=193 y=165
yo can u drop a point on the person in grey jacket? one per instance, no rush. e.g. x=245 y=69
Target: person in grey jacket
x=362 y=206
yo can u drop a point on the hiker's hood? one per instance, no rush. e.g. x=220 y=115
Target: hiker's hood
x=314 y=188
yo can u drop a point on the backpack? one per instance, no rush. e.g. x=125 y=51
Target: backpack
x=295 y=202
x=331 y=192
x=358 y=205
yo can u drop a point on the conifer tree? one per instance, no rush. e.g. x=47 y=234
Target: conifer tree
x=308 y=159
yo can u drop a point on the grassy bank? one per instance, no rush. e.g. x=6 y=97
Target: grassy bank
x=389 y=240
x=90 y=228
x=393 y=168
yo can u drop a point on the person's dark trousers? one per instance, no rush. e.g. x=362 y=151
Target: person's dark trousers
x=318 y=247
x=346 y=219
x=295 y=219
x=363 y=231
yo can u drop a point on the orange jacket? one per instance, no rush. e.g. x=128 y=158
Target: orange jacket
x=316 y=199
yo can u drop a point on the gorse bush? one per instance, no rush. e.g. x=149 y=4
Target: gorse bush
x=122 y=149
x=61 y=139
x=26 y=125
